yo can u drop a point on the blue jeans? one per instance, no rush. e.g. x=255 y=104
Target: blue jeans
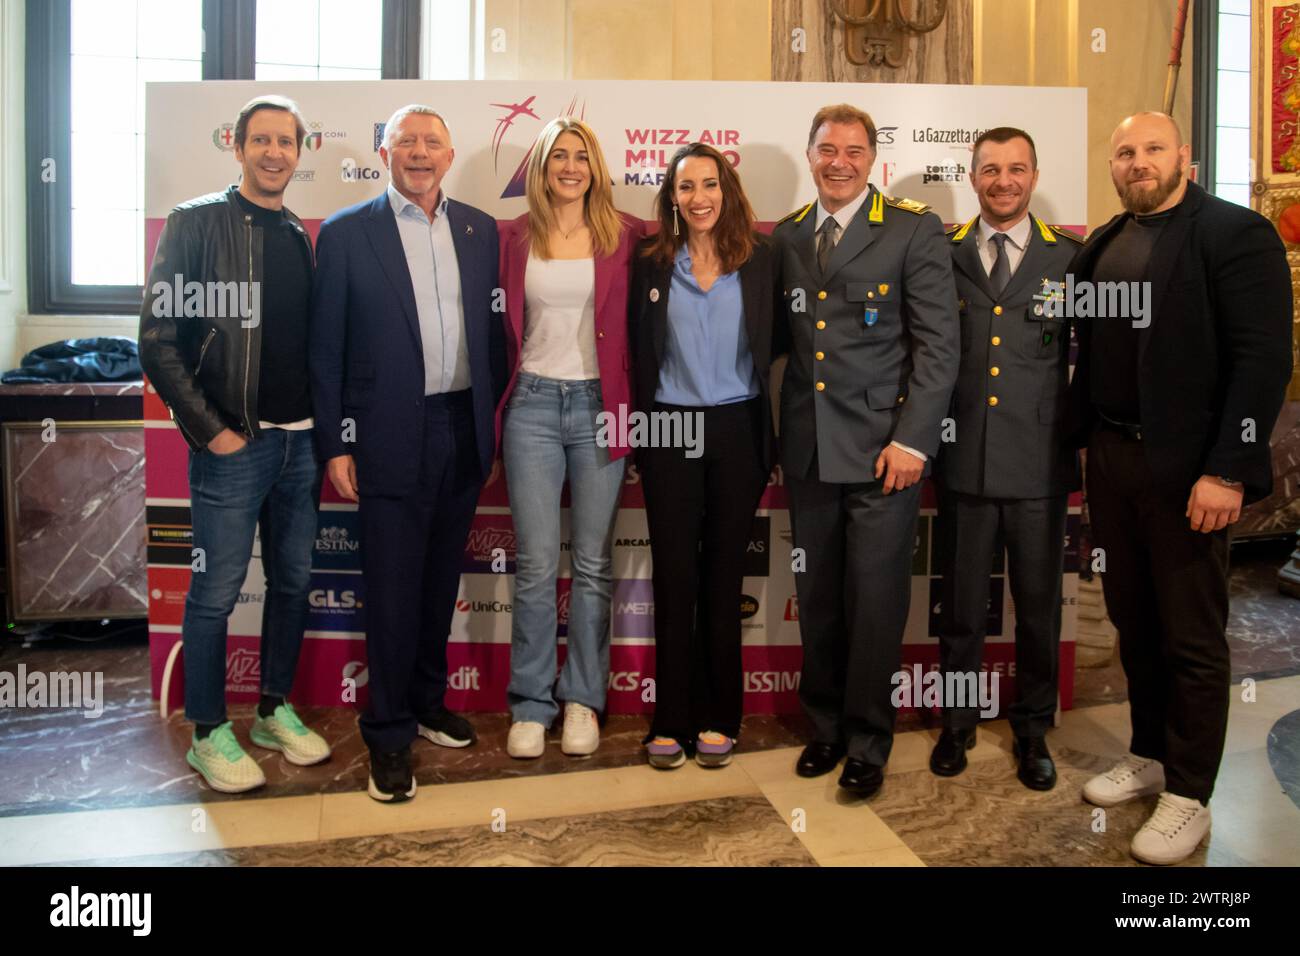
x=550 y=429
x=272 y=482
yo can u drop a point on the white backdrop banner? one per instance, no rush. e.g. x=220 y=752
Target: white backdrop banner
x=924 y=151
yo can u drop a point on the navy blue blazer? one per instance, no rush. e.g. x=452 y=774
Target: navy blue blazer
x=366 y=358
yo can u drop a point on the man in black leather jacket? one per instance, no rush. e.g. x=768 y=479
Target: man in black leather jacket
x=223 y=339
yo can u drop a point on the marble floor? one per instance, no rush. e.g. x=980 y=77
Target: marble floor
x=116 y=790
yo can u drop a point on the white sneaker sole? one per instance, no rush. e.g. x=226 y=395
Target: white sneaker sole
x=441 y=739
x=1171 y=861
x=1152 y=790
x=583 y=750
x=225 y=787
x=382 y=797
x=295 y=759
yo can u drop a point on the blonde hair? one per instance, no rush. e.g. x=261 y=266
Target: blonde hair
x=598 y=204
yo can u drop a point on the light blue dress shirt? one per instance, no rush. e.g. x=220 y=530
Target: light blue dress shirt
x=706 y=351
x=435 y=278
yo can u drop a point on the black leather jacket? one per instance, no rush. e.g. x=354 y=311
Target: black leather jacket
x=204 y=366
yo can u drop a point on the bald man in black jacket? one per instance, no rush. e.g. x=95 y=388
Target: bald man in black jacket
x=1175 y=403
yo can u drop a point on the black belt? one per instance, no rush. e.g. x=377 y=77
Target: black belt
x=1127 y=429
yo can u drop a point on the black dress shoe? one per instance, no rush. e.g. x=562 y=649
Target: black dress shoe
x=818 y=759
x=948 y=758
x=391 y=780
x=860 y=778
x=1037 y=772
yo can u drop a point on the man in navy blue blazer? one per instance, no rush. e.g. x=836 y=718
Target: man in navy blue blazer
x=407 y=364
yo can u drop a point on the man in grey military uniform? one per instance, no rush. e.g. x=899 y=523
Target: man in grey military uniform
x=872 y=324
x=1006 y=469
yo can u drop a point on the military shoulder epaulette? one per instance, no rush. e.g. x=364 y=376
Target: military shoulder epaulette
x=1067 y=234
x=797 y=215
x=911 y=205
x=958 y=232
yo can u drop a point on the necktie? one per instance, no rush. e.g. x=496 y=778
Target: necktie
x=826 y=242
x=1000 y=274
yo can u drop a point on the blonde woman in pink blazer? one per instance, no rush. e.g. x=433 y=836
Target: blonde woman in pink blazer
x=564 y=268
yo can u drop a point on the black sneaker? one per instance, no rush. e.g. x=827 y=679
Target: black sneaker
x=391 y=780
x=447 y=729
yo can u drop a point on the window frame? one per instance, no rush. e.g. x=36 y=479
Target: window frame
x=229 y=53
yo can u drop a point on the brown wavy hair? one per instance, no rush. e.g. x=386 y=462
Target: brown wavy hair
x=733 y=235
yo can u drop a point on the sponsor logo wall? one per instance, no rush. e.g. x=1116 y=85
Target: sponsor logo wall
x=924 y=153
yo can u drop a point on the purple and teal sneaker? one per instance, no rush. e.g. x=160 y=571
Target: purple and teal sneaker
x=665 y=753
x=713 y=749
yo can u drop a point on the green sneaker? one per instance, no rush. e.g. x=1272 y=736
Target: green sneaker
x=283 y=731
x=222 y=762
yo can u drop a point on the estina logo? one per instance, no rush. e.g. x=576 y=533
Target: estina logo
x=464 y=678
x=329 y=599
x=792 y=608
x=771 y=682
x=562 y=608
x=223 y=137
x=335 y=540
x=243 y=667
x=625 y=680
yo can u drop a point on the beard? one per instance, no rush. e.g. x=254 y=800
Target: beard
x=1141 y=200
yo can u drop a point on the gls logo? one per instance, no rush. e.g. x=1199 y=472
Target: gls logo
x=345 y=600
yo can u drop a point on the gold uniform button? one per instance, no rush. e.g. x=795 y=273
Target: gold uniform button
x=821 y=386
x=900 y=399
x=993 y=399
x=820 y=356
x=995 y=371
x=871 y=295
x=997 y=340
x=997 y=310
x=822 y=294
x=821 y=323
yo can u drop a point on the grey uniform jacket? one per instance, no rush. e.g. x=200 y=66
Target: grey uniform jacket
x=874 y=343
x=1009 y=407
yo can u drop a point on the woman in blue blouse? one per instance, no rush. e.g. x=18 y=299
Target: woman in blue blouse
x=701 y=334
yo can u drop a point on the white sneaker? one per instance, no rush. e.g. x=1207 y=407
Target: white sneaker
x=1174 y=831
x=581 y=730
x=284 y=731
x=1131 y=777
x=222 y=762
x=527 y=739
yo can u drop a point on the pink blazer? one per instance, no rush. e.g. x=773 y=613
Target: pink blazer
x=612 y=274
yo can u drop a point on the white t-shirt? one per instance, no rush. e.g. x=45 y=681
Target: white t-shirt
x=560 y=319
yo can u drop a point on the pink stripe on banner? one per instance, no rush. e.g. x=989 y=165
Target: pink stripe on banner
x=166 y=463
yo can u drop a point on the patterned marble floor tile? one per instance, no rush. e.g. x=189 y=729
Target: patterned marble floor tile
x=736 y=831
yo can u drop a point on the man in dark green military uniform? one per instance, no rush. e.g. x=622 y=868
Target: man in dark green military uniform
x=1005 y=466
x=872 y=324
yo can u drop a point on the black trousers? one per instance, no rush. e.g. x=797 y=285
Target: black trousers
x=700 y=512
x=411 y=553
x=1166 y=589
x=1033 y=531
x=854 y=597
